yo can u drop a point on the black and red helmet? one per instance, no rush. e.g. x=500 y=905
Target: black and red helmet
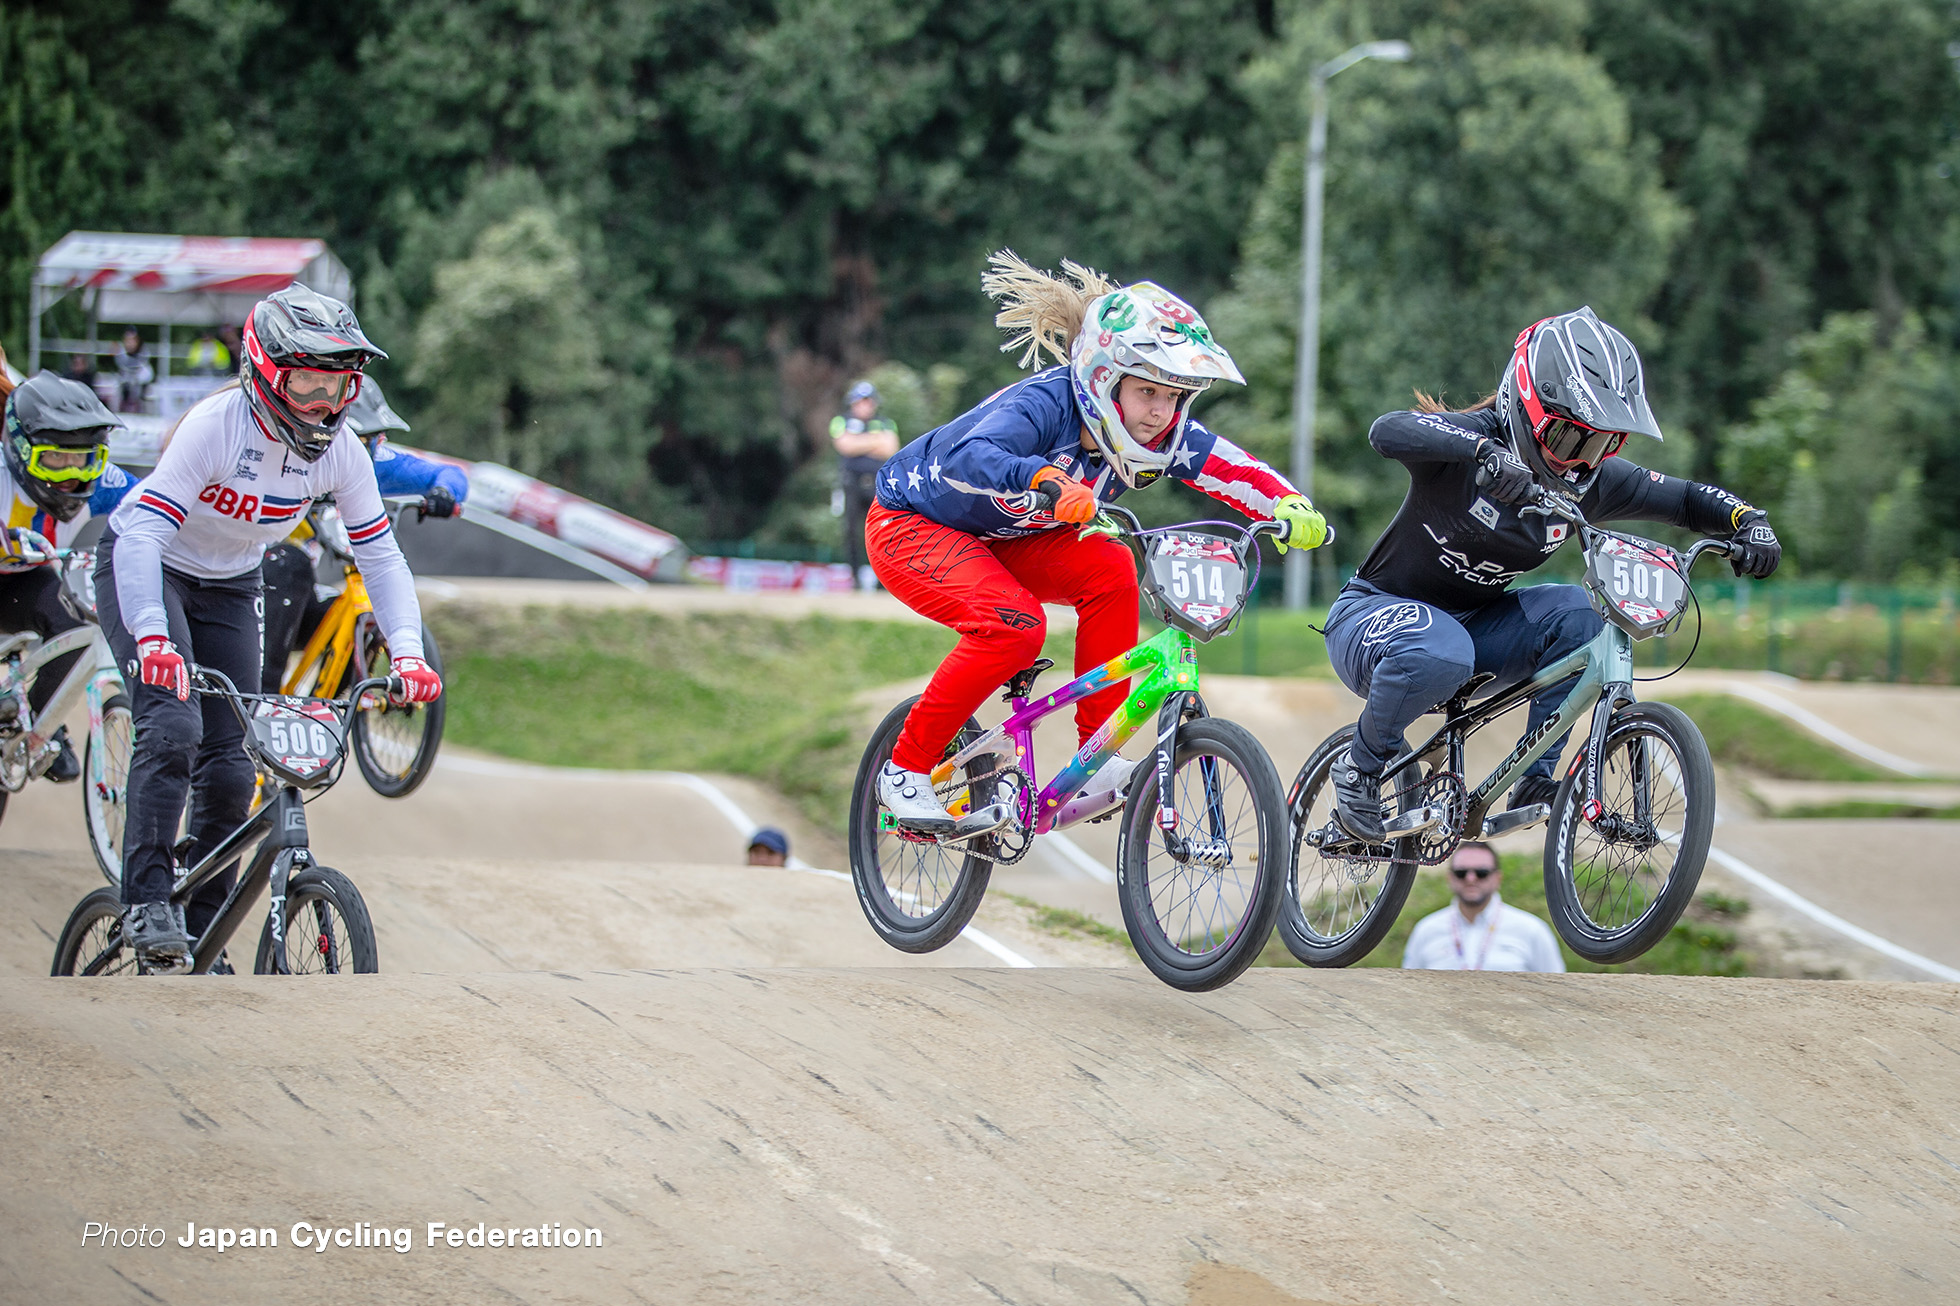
x=304 y=353
x=1571 y=394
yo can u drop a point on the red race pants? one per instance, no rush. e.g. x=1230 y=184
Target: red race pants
x=991 y=592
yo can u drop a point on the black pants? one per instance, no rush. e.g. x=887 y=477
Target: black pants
x=31 y=600
x=293 y=608
x=186 y=747
x=860 y=492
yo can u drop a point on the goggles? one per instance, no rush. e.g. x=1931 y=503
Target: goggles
x=66 y=462
x=308 y=390
x=1568 y=444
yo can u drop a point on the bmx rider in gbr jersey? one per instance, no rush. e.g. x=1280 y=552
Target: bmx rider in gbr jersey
x=178 y=578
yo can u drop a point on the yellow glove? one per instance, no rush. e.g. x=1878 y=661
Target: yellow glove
x=1305 y=527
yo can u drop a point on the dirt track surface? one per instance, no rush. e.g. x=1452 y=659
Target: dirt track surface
x=861 y=1136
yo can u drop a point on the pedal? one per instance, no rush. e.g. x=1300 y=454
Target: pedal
x=1420 y=821
x=1518 y=818
x=977 y=825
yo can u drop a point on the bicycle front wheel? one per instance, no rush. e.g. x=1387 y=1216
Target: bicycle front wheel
x=105 y=785
x=917 y=893
x=1336 y=910
x=328 y=931
x=395 y=744
x=1199 y=898
x=1616 y=884
x=91 y=942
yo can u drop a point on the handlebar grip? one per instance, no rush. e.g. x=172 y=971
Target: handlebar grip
x=1048 y=494
x=1483 y=474
x=397 y=687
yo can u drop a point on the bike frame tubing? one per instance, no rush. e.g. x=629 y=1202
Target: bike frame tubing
x=334 y=638
x=1170 y=663
x=1606 y=661
x=282 y=822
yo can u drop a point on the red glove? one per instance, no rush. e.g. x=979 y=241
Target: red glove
x=420 y=683
x=163 y=666
x=1076 y=503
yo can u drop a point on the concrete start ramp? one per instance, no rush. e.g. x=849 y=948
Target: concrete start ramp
x=1054 y=1136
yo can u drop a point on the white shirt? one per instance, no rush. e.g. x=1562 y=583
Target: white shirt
x=1501 y=938
x=225 y=491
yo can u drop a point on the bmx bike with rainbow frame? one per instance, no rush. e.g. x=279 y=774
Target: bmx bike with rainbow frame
x=1205 y=840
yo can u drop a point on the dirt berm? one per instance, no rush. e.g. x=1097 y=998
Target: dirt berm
x=1062 y=1136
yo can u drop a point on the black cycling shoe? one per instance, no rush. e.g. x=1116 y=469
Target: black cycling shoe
x=155 y=934
x=65 y=766
x=1533 y=789
x=222 y=966
x=1358 y=800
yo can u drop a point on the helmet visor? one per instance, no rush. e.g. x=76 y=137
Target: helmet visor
x=1568 y=444
x=317 y=392
x=66 y=462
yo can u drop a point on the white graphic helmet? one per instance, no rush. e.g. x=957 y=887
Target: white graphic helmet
x=1145 y=331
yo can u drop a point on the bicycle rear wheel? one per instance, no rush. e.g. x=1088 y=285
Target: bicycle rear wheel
x=328 y=931
x=1199 y=900
x=918 y=894
x=105 y=785
x=1615 y=885
x=395 y=744
x=91 y=942
x=1336 y=910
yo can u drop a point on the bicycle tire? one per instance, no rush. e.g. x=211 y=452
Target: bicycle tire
x=1204 y=949
x=1578 y=891
x=888 y=868
x=91 y=941
x=1317 y=931
x=395 y=746
x=316 y=898
x=104 y=801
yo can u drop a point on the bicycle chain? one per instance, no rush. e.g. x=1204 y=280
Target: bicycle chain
x=1444 y=789
x=957 y=783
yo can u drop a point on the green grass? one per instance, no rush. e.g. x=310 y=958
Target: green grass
x=1742 y=734
x=1702 y=942
x=728 y=692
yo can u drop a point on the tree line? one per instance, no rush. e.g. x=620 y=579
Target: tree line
x=641 y=248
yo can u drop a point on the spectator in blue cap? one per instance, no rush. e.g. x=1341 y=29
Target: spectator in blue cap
x=768 y=847
x=863 y=441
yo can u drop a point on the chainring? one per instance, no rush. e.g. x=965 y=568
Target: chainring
x=1443 y=789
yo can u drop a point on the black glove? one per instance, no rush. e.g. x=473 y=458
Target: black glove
x=1753 y=550
x=438 y=502
x=1501 y=473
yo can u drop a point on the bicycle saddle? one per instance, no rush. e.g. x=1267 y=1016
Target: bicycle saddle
x=1464 y=693
x=1021 y=683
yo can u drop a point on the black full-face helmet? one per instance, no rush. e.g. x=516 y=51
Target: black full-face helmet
x=57 y=442
x=304 y=353
x=1570 y=395
x=369 y=416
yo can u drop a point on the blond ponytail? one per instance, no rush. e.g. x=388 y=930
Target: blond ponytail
x=1039 y=310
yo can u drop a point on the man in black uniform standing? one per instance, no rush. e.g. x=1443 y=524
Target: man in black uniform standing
x=1432 y=606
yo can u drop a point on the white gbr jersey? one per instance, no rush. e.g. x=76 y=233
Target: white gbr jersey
x=225 y=491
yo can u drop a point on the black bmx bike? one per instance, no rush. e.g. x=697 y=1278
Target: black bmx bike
x=317 y=923
x=1627 y=832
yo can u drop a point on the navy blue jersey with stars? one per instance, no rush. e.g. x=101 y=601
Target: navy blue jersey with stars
x=973 y=474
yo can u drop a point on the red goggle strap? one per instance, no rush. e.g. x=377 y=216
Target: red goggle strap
x=1534 y=410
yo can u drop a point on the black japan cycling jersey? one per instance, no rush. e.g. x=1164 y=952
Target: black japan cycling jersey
x=1453 y=546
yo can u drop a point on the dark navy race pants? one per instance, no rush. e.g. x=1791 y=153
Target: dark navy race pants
x=186 y=747
x=1407 y=657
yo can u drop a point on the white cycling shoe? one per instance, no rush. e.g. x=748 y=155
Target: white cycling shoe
x=908 y=796
x=1105 y=792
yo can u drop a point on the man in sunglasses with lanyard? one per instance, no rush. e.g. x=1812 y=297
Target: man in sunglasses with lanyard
x=177 y=581
x=1433 y=605
x=1477 y=931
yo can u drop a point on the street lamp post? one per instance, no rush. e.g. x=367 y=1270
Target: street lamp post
x=1306 y=372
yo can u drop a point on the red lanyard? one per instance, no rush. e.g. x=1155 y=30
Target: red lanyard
x=1456 y=935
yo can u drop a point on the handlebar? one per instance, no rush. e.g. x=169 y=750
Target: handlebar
x=1114 y=519
x=1542 y=502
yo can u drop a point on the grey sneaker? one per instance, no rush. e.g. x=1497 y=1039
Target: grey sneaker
x=1358 y=800
x=155 y=933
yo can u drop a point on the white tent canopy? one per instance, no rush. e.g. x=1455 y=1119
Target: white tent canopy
x=176 y=280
